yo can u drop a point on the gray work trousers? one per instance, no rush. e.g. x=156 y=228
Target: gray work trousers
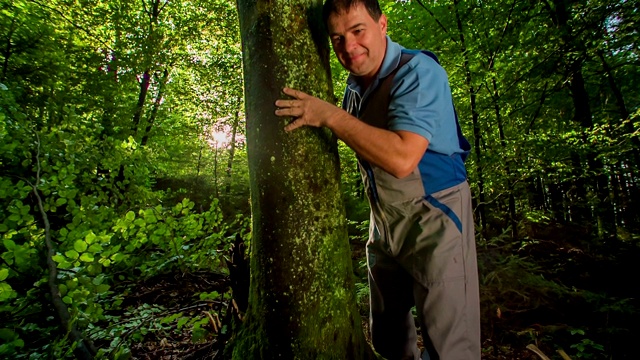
x=433 y=268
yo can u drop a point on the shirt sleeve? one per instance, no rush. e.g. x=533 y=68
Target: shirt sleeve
x=420 y=98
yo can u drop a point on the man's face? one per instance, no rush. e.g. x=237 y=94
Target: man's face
x=358 y=41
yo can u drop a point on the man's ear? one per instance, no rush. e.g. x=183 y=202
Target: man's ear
x=383 y=23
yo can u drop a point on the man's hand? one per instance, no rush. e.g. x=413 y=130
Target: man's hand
x=397 y=152
x=308 y=110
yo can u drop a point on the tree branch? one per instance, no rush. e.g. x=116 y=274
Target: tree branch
x=84 y=348
x=504 y=32
x=144 y=6
x=62 y=14
x=437 y=21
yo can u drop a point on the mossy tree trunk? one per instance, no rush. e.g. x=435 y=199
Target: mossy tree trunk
x=302 y=300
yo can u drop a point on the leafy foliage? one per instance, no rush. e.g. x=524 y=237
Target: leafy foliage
x=96 y=103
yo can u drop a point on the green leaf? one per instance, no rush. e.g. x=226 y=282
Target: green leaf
x=149 y=216
x=72 y=254
x=5 y=291
x=21 y=256
x=86 y=257
x=209 y=296
x=95 y=248
x=102 y=288
x=90 y=238
x=123 y=353
x=67 y=300
x=72 y=284
x=9 y=244
x=4 y=273
x=61 y=201
x=94 y=269
x=80 y=245
x=59 y=258
x=182 y=322
x=170 y=318
x=8 y=335
x=130 y=216
x=65 y=265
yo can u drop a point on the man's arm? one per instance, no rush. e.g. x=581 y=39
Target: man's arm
x=396 y=152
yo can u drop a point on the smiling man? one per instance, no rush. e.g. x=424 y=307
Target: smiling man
x=397 y=115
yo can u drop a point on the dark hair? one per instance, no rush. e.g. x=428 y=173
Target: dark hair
x=341 y=6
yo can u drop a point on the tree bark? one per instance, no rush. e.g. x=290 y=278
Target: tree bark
x=302 y=300
x=142 y=97
x=156 y=105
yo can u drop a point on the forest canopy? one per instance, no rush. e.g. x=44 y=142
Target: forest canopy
x=124 y=181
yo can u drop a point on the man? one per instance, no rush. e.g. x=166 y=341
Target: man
x=404 y=130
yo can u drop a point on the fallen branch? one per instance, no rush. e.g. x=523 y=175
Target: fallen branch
x=212 y=321
x=538 y=352
x=564 y=354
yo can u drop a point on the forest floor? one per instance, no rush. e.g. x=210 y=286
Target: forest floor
x=178 y=293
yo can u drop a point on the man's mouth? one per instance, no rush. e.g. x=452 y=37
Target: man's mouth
x=356 y=57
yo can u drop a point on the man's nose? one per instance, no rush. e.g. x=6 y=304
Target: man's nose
x=349 y=43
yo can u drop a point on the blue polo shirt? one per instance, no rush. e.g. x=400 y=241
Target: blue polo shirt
x=420 y=102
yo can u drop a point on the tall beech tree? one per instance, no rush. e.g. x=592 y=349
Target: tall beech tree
x=302 y=301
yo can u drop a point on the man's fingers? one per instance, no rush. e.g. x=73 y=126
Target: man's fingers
x=286 y=103
x=295 y=112
x=294 y=93
x=293 y=108
x=294 y=125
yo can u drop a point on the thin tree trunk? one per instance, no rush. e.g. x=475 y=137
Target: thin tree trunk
x=302 y=300
x=215 y=171
x=8 y=50
x=84 y=349
x=583 y=116
x=156 y=105
x=536 y=184
x=477 y=135
x=503 y=142
x=232 y=151
x=633 y=163
x=142 y=97
x=198 y=166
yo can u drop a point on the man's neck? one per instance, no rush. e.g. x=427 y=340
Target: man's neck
x=364 y=82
